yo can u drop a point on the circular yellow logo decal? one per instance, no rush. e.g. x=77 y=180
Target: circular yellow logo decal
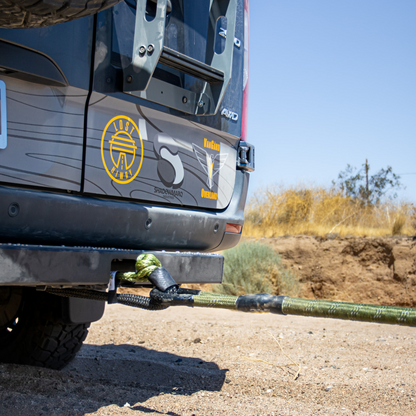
x=123 y=153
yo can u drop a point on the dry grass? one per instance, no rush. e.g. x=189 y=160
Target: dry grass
x=413 y=218
x=319 y=211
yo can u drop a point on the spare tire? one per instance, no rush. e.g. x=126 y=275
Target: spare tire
x=25 y=14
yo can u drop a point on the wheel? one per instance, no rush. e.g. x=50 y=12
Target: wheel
x=31 y=331
x=24 y=14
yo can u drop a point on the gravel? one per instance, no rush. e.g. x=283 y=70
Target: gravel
x=184 y=361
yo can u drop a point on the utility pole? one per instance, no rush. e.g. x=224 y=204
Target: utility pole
x=367 y=168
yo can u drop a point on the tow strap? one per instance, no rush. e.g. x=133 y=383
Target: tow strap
x=167 y=293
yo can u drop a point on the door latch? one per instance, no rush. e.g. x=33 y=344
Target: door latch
x=245 y=157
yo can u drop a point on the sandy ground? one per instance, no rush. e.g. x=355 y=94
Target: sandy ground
x=184 y=361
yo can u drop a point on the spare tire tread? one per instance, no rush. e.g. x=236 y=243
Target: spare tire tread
x=25 y=14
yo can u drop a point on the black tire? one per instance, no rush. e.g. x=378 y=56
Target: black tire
x=31 y=331
x=25 y=14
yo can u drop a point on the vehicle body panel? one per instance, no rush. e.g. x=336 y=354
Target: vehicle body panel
x=45 y=135
x=172 y=160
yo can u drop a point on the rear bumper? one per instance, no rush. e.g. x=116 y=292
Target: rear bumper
x=54 y=239
x=25 y=265
x=39 y=217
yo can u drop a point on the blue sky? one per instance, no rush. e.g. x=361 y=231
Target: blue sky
x=332 y=82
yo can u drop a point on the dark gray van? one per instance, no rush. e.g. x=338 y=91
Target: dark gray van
x=121 y=132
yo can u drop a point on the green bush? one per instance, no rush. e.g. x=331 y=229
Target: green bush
x=253 y=267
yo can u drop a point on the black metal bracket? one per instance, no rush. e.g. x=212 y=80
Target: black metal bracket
x=112 y=288
x=149 y=50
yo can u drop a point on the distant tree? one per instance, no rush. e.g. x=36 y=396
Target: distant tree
x=369 y=190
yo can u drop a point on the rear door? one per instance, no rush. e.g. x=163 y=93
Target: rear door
x=166 y=139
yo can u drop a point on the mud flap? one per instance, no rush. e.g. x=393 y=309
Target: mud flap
x=81 y=311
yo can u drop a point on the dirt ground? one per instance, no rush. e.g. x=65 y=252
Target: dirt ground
x=184 y=361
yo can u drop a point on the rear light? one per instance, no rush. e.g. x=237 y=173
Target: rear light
x=245 y=73
x=233 y=228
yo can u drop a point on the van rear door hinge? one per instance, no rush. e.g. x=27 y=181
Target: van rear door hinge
x=3 y=116
x=245 y=157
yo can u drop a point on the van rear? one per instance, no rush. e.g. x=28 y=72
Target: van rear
x=121 y=134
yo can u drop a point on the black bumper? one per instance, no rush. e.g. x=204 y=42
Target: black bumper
x=47 y=218
x=28 y=265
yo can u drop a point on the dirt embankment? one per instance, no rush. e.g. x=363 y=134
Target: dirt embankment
x=352 y=269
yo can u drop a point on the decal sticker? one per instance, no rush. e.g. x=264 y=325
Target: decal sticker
x=209 y=162
x=170 y=193
x=212 y=145
x=124 y=159
x=208 y=194
x=169 y=166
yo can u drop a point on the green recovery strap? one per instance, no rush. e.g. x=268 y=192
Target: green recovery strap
x=167 y=294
